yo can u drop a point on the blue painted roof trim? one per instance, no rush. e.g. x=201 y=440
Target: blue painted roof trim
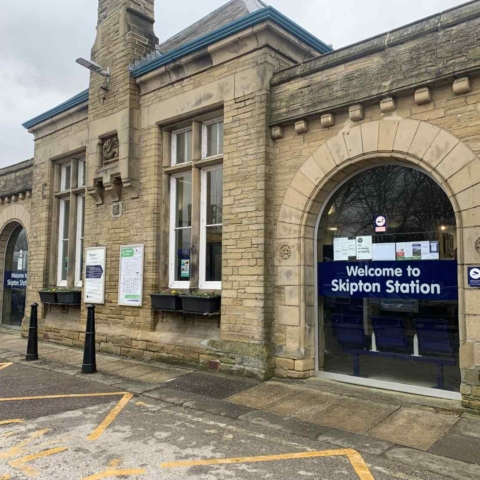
x=267 y=13
x=63 y=107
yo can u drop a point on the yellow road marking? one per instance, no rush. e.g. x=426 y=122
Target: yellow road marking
x=72 y=395
x=112 y=471
x=8 y=422
x=20 y=464
x=355 y=458
x=5 y=477
x=19 y=448
x=111 y=417
x=5 y=365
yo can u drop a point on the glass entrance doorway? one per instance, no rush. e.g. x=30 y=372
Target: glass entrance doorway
x=15 y=278
x=387 y=281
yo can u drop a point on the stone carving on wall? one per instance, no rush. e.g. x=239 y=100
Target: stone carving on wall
x=477 y=245
x=110 y=149
x=285 y=252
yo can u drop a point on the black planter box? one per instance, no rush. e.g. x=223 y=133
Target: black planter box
x=48 y=297
x=166 y=302
x=192 y=304
x=69 y=298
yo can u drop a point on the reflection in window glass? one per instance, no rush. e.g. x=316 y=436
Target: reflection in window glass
x=66 y=176
x=63 y=247
x=211 y=224
x=182 y=147
x=214 y=139
x=181 y=203
x=383 y=338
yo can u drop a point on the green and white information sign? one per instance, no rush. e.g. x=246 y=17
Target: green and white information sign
x=130 y=287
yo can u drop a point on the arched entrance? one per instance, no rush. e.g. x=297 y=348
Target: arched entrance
x=432 y=150
x=14 y=250
x=387 y=282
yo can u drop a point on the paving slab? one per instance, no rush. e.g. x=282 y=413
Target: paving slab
x=66 y=356
x=211 y=385
x=217 y=407
x=133 y=372
x=158 y=376
x=349 y=414
x=459 y=447
x=176 y=397
x=468 y=427
x=445 y=467
x=287 y=425
x=115 y=366
x=361 y=443
x=262 y=395
x=414 y=428
x=300 y=400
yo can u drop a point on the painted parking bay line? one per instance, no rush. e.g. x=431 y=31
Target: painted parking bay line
x=126 y=397
x=353 y=456
x=5 y=365
x=9 y=422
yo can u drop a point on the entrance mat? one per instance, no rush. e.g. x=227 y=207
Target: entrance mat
x=211 y=385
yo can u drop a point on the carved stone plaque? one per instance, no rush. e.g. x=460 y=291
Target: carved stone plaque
x=477 y=245
x=285 y=252
x=110 y=149
x=117 y=209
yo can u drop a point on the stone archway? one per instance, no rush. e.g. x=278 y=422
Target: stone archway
x=445 y=158
x=10 y=219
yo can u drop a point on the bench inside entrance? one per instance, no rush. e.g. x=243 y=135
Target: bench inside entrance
x=432 y=342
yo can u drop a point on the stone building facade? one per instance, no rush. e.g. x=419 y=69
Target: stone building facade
x=246 y=100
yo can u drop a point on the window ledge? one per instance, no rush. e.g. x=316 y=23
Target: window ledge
x=184 y=167
x=209 y=162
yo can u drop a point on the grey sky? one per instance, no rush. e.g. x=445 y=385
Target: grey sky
x=40 y=40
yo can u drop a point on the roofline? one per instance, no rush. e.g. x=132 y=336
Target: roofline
x=63 y=107
x=267 y=13
x=16 y=167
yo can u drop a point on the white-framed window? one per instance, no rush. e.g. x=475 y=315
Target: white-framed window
x=65 y=179
x=211 y=219
x=63 y=238
x=180 y=229
x=182 y=146
x=79 y=240
x=212 y=138
x=81 y=174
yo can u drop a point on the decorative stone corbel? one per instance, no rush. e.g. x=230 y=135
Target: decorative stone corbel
x=388 y=104
x=8 y=200
x=21 y=195
x=461 y=86
x=327 y=120
x=301 y=127
x=130 y=188
x=113 y=189
x=2 y=201
x=277 y=132
x=422 y=96
x=28 y=194
x=355 y=113
x=96 y=193
x=15 y=198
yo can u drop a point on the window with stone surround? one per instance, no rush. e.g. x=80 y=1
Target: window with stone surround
x=68 y=214
x=193 y=158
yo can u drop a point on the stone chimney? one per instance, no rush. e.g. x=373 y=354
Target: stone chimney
x=124 y=34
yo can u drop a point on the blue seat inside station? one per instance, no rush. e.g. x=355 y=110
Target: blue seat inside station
x=390 y=333
x=349 y=330
x=433 y=335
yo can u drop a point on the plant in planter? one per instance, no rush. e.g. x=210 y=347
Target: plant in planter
x=201 y=302
x=166 y=300
x=66 y=296
x=48 y=295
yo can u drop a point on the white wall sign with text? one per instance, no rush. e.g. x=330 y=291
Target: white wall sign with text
x=130 y=286
x=95 y=260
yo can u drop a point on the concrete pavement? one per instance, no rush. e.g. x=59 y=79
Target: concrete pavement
x=434 y=436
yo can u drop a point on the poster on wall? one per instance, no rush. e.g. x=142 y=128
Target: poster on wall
x=95 y=261
x=364 y=248
x=383 y=251
x=425 y=250
x=130 y=285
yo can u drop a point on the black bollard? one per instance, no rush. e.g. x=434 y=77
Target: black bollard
x=32 y=347
x=89 y=361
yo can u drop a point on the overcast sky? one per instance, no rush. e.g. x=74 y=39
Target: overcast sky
x=40 y=40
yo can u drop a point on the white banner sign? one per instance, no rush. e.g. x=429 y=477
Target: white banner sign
x=130 y=288
x=95 y=260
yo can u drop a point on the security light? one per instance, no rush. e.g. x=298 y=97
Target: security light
x=93 y=67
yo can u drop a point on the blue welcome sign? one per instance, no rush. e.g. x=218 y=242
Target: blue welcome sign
x=419 y=280
x=16 y=279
